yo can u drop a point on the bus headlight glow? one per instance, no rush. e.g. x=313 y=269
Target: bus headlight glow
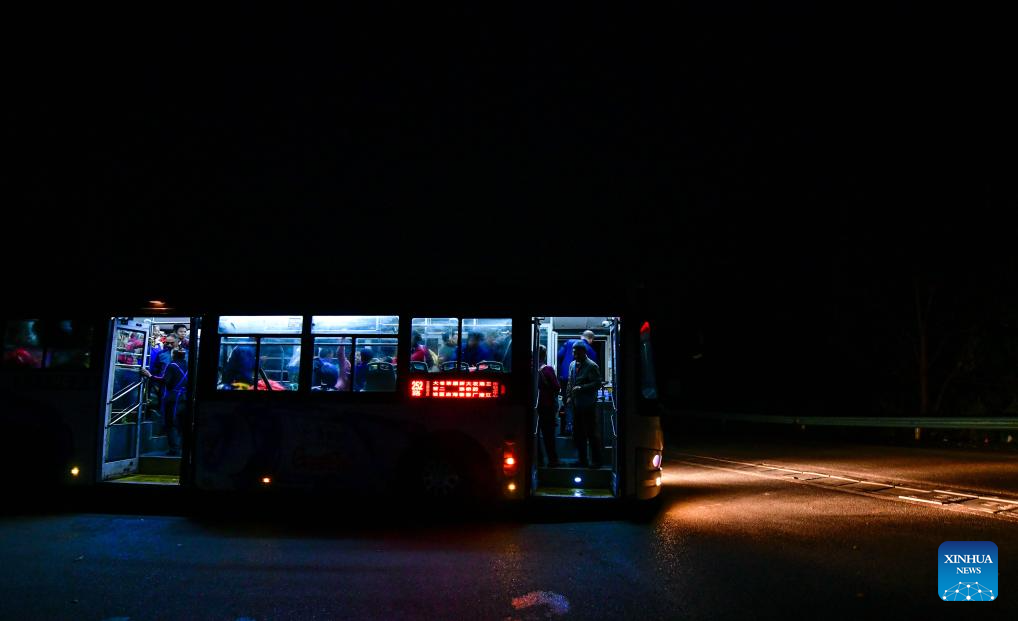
x=657 y=482
x=578 y=480
x=656 y=460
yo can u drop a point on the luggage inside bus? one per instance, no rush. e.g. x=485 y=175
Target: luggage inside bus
x=575 y=438
x=147 y=399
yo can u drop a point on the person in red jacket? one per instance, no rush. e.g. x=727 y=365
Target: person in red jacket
x=547 y=405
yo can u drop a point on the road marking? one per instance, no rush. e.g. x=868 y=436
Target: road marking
x=995 y=507
x=557 y=604
x=1002 y=500
x=913 y=489
x=932 y=502
x=944 y=491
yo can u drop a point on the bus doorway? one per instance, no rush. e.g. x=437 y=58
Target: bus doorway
x=147 y=398
x=574 y=439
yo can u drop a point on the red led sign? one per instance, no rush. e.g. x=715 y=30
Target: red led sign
x=456 y=389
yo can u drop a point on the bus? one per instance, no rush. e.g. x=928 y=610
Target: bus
x=424 y=398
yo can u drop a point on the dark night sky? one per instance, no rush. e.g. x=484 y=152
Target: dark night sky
x=749 y=165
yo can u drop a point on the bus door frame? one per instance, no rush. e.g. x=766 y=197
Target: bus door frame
x=130 y=465
x=187 y=438
x=534 y=440
x=614 y=335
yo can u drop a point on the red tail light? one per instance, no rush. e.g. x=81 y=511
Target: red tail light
x=509 y=460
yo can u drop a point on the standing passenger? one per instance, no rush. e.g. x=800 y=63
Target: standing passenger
x=360 y=371
x=547 y=405
x=449 y=351
x=181 y=331
x=418 y=352
x=476 y=350
x=584 y=380
x=565 y=358
x=174 y=398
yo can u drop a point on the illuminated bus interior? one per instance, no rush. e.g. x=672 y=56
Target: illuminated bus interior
x=147 y=399
x=568 y=475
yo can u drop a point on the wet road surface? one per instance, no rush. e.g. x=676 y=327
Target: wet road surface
x=725 y=544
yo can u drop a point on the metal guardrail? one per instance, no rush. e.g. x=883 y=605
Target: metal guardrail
x=903 y=422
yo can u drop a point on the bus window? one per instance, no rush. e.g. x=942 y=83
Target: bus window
x=236 y=363
x=278 y=364
x=375 y=370
x=330 y=368
x=434 y=343
x=355 y=324
x=254 y=356
x=487 y=344
x=451 y=344
x=361 y=357
x=51 y=344
x=22 y=346
x=261 y=324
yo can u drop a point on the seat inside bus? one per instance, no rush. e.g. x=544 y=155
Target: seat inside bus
x=381 y=377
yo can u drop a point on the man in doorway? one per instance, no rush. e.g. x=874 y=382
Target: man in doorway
x=157 y=363
x=584 y=380
x=173 y=384
x=565 y=358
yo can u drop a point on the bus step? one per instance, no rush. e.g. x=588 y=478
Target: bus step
x=159 y=464
x=154 y=444
x=567 y=477
x=566 y=444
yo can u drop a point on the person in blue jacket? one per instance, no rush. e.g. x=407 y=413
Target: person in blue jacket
x=565 y=358
x=476 y=350
x=173 y=382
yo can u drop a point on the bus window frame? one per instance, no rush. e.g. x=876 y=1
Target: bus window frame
x=208 y=380
x=96 y=348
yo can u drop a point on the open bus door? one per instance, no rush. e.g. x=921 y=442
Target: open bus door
x=125 y=396
x=570 y=476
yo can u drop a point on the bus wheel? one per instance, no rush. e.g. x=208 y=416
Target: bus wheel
x=438 y=478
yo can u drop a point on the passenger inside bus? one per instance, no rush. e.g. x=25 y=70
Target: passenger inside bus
x=327 y=377
x=450 y=344
x=322 y=379
x=360 y=374
x=477 y=349
x=448 y=351
x=238 y=374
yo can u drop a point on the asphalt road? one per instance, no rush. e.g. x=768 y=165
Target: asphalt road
x=729 y=542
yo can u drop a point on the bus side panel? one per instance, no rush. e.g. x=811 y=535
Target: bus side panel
x=345 y=446
x=238 y=444
x=50 y=424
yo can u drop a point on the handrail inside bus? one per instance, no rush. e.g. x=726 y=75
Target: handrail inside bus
x=265 y=378
x=123 y=415
x=125 y=391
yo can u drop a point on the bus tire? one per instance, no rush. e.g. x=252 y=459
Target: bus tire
x=441 y=478
x=449 y=472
